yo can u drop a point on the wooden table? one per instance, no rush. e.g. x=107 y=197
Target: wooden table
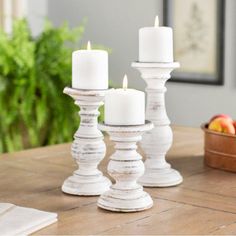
x=204 y=204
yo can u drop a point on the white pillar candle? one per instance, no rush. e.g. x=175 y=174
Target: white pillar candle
x=124 y=106
x=90 y=69
x=156 y=43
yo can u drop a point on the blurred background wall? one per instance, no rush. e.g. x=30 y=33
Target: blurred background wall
x=115 y=24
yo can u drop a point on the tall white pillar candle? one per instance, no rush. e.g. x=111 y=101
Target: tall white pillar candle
x=124 y=106
x=90 y=69
x=156 y=43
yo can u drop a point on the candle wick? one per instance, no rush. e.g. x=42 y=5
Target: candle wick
x=156 y=21
x=88 y=45
x=125 y=82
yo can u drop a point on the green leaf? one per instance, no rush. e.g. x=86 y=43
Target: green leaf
x=33 y=74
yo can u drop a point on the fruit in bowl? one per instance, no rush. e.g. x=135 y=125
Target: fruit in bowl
x=220 y=142
x=222 y=123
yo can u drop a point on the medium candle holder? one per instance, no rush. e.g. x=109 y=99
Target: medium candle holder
x=125 y=166
x=156 y=143
x=88 y=147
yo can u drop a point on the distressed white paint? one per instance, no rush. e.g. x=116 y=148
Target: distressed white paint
x=88 y=147
x=125 y=166
x=157 y=142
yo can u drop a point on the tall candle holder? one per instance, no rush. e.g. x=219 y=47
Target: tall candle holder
x=156 y=143
x=125 y=166
x=88 y=147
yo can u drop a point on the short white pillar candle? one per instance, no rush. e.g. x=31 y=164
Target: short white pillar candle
x=90 y=69
x=156 y=43
x=124 y=106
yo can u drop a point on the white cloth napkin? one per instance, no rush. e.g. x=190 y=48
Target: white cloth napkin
x=15 y=220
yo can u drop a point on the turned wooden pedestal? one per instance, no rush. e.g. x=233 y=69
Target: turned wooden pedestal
x=125 y=166
x=156 y=142
x=88 y=148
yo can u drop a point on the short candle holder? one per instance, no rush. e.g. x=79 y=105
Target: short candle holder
x=125 y=166
x=156 y=143
x=88 y=147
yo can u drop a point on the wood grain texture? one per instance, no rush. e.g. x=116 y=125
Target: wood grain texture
x=204 y=204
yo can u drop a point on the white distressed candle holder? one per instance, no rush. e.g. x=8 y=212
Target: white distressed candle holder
x=88 y=147
x=156 y=143
x=125 y=166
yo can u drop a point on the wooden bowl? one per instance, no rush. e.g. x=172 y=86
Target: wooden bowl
x=220 y=149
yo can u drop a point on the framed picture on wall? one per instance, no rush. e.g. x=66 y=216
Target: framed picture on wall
x=198 y=27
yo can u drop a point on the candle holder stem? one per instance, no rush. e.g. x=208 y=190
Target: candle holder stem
x=156 y=143
x=88 y=147
x=125 y=166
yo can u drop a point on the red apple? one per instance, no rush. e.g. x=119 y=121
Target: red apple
x=222 y=124
x=221 y=116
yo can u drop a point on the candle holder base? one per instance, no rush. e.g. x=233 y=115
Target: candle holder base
x=88 y=147
x=161 y=178
x=86 y=186
x=125 y=166
x=131 y=200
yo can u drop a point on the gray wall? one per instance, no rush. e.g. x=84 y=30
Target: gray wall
x=37 y=11
x=116 y=23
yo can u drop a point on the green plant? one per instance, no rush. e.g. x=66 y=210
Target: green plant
x=33 y=73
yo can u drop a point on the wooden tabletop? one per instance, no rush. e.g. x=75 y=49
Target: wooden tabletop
x=204 y=204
